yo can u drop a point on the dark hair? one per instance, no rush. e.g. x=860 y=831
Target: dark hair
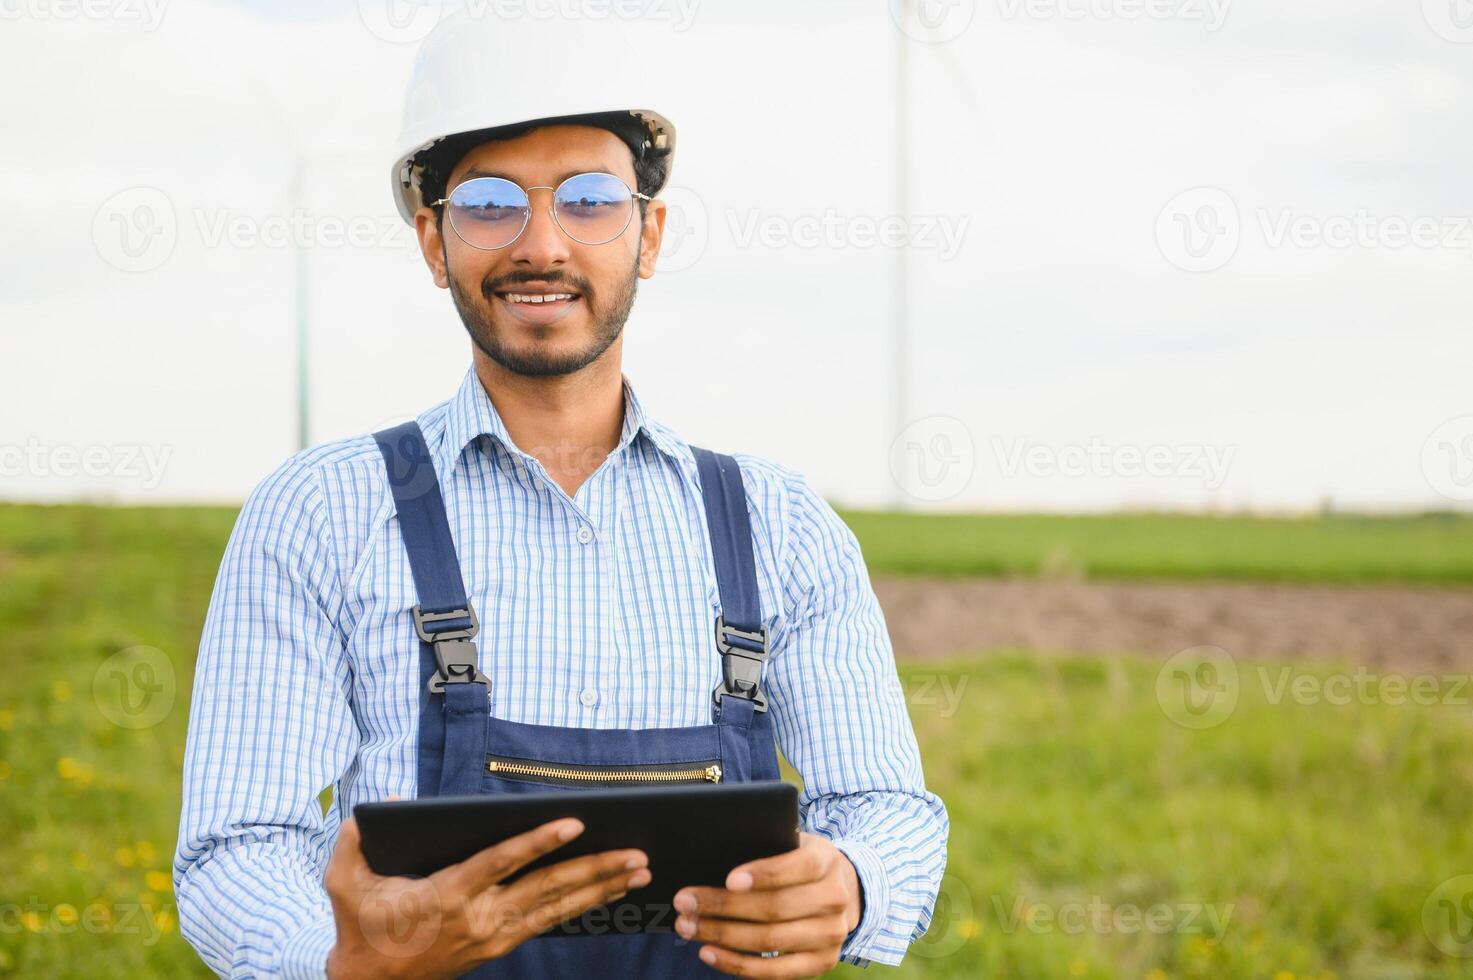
x=651 y=165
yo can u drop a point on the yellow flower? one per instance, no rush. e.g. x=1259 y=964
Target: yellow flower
x=125 y=857
x=80 y=861
x=67 y=767
x=969 y=929
x=66 y=915
x=163 y=920
x=31 y=921
x=1077 y=968
x=145 y=851
x=100 y=912
x=1284 y=975
x=7 y=720
x=1156 y=974
x=158 y=881
x=61 y=690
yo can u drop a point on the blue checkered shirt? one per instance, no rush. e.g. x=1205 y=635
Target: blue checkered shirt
x=596 y=611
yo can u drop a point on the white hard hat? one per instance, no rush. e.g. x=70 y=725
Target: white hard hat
x=477 y=73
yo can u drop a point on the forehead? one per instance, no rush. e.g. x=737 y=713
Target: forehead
x=547 y=155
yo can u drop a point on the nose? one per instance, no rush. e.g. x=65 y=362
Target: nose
x=542 y=243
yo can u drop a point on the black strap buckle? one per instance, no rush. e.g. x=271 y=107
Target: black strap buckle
x=741 y=668
x=455 y=654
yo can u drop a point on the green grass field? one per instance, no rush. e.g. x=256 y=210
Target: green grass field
x=1092 y=836
x=1432 y=549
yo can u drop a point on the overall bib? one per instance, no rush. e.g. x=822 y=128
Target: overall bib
x=464 y=750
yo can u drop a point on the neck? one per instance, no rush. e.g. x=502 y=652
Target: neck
x=569 y=422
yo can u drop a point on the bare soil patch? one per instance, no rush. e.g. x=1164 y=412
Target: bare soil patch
x=1378 y=626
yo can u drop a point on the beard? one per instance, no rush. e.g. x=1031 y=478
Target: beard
x=536 y=359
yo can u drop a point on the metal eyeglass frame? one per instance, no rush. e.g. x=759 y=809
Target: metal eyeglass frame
x=527 y=212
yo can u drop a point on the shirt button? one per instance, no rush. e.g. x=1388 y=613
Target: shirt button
x=585 y=534
x=588 y=696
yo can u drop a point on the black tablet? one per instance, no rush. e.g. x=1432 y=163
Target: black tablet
x=694 y=835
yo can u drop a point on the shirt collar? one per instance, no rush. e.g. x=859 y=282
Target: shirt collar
x=471 y=414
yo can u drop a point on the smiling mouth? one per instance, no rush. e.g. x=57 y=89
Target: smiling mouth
x=539 y=306
x=535 y=299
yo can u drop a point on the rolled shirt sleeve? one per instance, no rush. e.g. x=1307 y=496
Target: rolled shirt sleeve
x=270 y=727
x=840 y=715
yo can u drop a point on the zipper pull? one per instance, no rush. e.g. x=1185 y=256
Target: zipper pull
x=713 y=774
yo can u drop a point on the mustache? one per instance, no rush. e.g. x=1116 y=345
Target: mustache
x=489 y=287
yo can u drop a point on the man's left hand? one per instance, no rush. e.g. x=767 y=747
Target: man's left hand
x=801 y=904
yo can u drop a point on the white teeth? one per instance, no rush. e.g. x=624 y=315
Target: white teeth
x=537 y=297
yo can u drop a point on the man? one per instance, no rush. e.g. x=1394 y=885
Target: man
x=558 y=560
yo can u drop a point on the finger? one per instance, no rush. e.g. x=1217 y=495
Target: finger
x=807 y=862
x=493 y=864
x=778 y=905
x=546 y=884
x=571 y=904
x=755 y=937
x=743 y=965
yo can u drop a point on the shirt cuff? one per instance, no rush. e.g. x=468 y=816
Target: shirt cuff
x=874 y=887
x=304 y=954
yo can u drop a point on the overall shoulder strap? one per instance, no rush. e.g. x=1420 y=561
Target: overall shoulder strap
x=740 y=635
x=443 y=617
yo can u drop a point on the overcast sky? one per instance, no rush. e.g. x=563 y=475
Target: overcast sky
x=1162 y=253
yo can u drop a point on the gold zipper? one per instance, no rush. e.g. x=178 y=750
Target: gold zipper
x=527 y=770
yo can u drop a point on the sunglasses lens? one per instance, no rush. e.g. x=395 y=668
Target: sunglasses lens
x=488 y=212
x=593 y=208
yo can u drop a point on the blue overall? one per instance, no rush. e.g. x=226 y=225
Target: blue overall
x=459 y=738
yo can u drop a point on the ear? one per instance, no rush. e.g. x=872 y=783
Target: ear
x=651 y=234
x=432 y=246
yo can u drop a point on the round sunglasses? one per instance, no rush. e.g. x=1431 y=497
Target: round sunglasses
x=492 y=212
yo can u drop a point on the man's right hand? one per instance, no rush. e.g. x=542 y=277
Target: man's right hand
x=461 y=916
